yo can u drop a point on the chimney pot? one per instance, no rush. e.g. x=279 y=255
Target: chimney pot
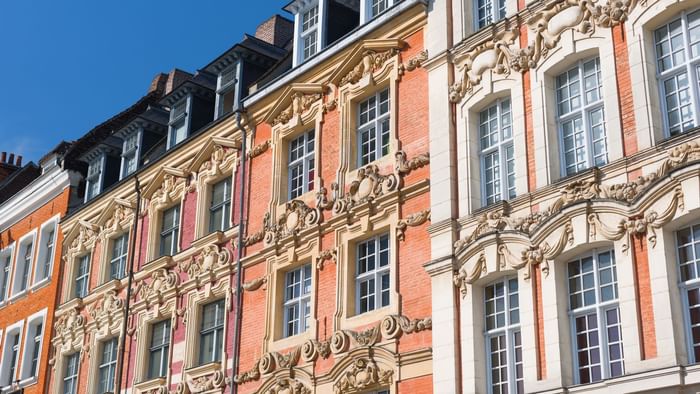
x=11 y=160
x=3 y=157
x=19 y=161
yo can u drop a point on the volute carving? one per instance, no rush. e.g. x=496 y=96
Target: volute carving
x=413 y=220
x=296 y=217
x=251 y=375
x=161 y=281
x=363 y=374
x=288 y=386
x=538 y=255
x=205 y=263
x=312 y=349
x=371 y=62
x=394 y=326
x=405 y=166
x=414 y=62
x=369 y=185
x=464 y=278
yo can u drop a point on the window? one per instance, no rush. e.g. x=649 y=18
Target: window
x=297 y=300
x=107 y=367
x=309 y=33
x=70 y=376
x=489 y=11
x=6 y=261
x=159 y=349
x=497 y=158
x=32 y=349
x=688 y=257
x=169 y=231
x=373 y=128
x=24 y=265
x=379 y=6
x=211 y=332
x=11 y=355
x=220 y=207
x=581 y=118
x=82 y=276
x=46 y=252
x=372 y=280
x=595 y=317
x=301 y=165
x=117 y=264
x=226 y=92
x=678 y=71
x=93 y=179
x=130 y=154
x=178 y=123
x=503 y=338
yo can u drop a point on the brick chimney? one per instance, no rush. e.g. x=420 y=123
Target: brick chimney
x=9 y=165
x=159 y=82
x=175 y=78
x=277 y=31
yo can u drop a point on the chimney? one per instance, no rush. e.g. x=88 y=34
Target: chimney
x=158 y=83
x=175 y=78
x=3 y=157
x=19 y=161
x=7 y=165
x=11 y=161
x=277 y=31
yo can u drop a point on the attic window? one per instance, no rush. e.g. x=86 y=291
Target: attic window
x=94 y=178
x=130 y=154
x=226 y=91
x=178 y=123
x=309 y=33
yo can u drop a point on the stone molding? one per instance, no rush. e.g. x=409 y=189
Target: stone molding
x=327 y=254
x=412 y=220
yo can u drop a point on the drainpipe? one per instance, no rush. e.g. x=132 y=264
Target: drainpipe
x=132 y=255
x=239 y=252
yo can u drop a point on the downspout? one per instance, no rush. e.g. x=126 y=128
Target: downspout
x=132 y=255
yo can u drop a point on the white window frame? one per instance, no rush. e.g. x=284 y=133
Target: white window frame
x=16 y=328
x=23 y=266
x=584 y=112
x=376 y=124
x=509 y=330
x=495 y=7
x=306 y=160
x=213 y=330
x=688 y=285
x=500 y=148
x=121 y=259
x=367 y=9
x=300 y=34
x=175 y=231
x=31 y=339
x=599 y=308
x=376 y=274
x=46 y=256
x=175 y=119
x=224 y=88
x=163 y=348
x=690 y=66
x=73 y=377
x=301 y=302
x=226 y=206
x=127 y=153
x=109 y=366
x=6 y=272
x=85 y=276
x=94 y=177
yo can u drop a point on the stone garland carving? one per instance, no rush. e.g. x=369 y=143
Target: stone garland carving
x=502 y=55
x=254 y=284
x=200 y=384
x=371 y=62
x=369 y=185
x=328 y=254
x=413 y=220
x=361 y=375
x=300 y=103
x=463 y=278
x=259 y=149
x=108 y=309
x=162 y=280
x=414 y=62
x=205 y=263
x=288 y=386
x=251 y=375
x=647 y=224
x=404 y=166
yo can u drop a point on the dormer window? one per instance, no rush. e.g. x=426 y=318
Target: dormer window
x=94 y=178
x=372 y=8
x=178 y=123
x=130 y=154
x=309 y=33
x=226 y=91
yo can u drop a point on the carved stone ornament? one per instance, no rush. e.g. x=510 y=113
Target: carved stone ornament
x=328 y=254
x=322 y=200
x=405 y=166
x=296 y=217
x=463 y=278
x=312 y=349
x=394 y=326
x=414 y=62
x=300 y=103
x=269 y=363
x=222 y=159
x=251 y=375
x=120 y=214
x=69 y=324
x=259 y=149
x=87 y=234
x=640 y=225
x=213 y=381
x=107 y=310
x=162 y=280
x=170 y=190
x=371 y=61
x=369 y=185
x=254 y=284
x=363 y=374
x=413 y=220
x=330 y=106
x=207 y=262
x=287 y=386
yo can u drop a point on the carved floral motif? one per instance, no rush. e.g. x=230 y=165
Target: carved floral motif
x=415 y=62
x=161 y=281
x=371 y=62
x=361 y=375
x=205 y=263
x=200 y=384
x=300 y=103
x=259 y=149
x=288 y=386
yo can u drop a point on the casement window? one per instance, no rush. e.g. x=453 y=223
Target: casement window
x=595 y=317
x=159 y=350
x=220 y=206
x=373 y=280
x=82 y=276
x=503 y=338
x=373 y=121
x=226 y=91
x=169 y=230
x=581 y=117
x=130 y=154
x=11 y=357
x=107 y=367
x=211 y=332
x=117 y=262
x=688 y=257
x=489 y=11
x=45 y=256
x=297 y=300
x=497 y=156
x=70 y=375
x=32 y=348
x=94 y=178
x=36 y=350
x=309 y=39
x=301 y=165
x=178 y=123
x=678 y=71
x=376 y=7
x=5 y=276
x=24 y=266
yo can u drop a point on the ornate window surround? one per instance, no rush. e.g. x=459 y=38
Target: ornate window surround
x=142 y=335
x=82 y=238
x=105 y=323
x=69 y=338
x=115 y=221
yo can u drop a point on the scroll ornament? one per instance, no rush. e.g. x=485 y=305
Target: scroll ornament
x=371 y=61
x=413 y=220
x=463 y=278
x=404 y=166
x=414 y=62
x=300 y=103
x=107 y=309
x=259 y=149
x=212 y=256
x=162 y=280
x=369 y=185
x=363 y=374
x=288 y=386
x=205 y=383
x=297 y=217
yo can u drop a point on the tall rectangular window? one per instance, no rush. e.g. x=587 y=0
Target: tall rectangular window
x=94 y=178
x=82 y=276
x=688 y=248
x=503 y=338
x=26 y=266
x=581 y=117
x=70 y=375
x=130 y=154
x=497 y=157
x=373 y=277
x=373 y=124
x=220 y=207
x=46 y=255
x=5 y=276
x=211 y=332
x=169 y=231
x=13 y=342
x=108 y=366
x=159 y=350
x=489 y=11
x=297 y=300
x=595 y=317
x=226 y=91
x=678 y=71
x=379 y=6
x=309 y=33
x=301 y=164
x=36 y=350
x=178 y=123
x=117 y=263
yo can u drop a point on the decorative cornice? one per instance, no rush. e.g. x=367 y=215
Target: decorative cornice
x=413 y=220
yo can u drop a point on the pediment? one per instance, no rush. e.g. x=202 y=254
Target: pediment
x=207 y=152
x=294 y=100
x=367 y=56
x=116 y=208
x=165 y=177
x=81 y=233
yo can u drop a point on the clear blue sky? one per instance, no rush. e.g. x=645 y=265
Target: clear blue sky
x=66 y=66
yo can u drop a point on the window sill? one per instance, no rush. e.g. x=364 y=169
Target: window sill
x=27 y=381
x=294 y=340
x=367 y=318
x=42 y=283
x=147 y=386
x=17 y=297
